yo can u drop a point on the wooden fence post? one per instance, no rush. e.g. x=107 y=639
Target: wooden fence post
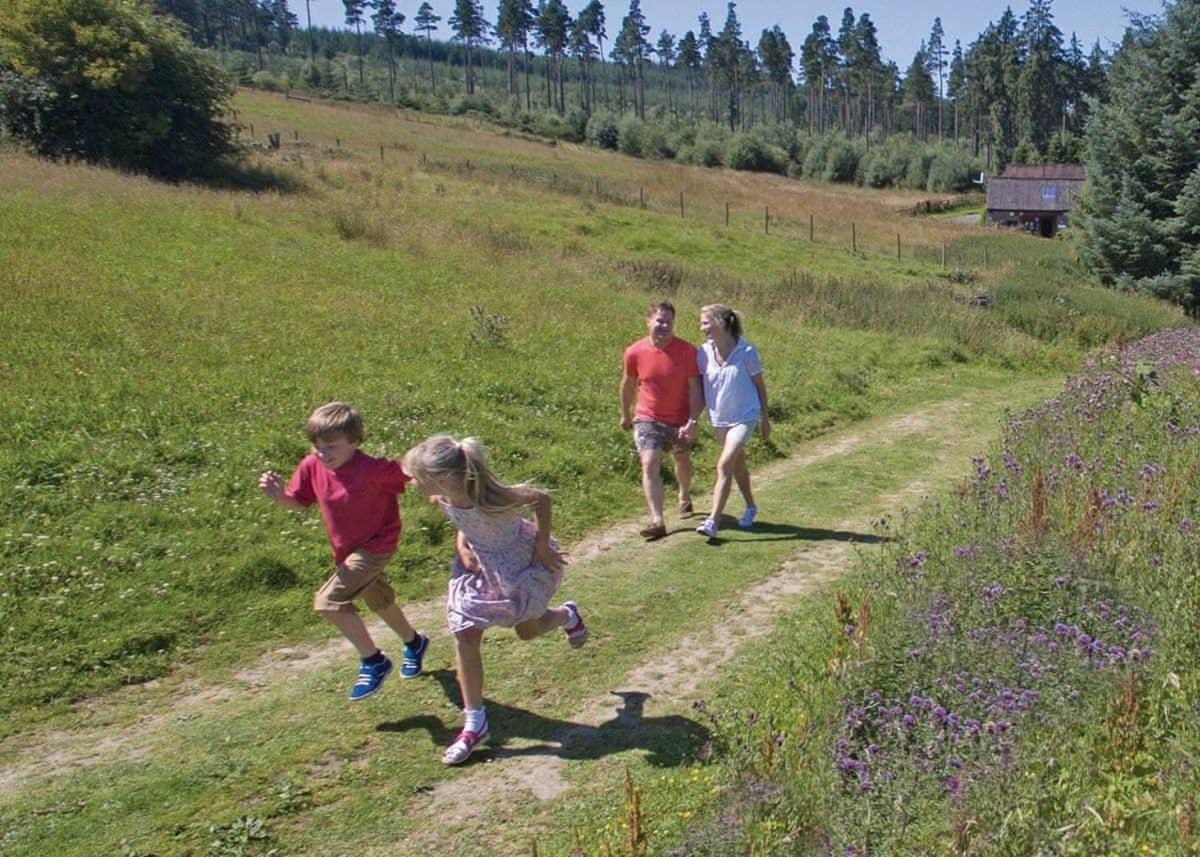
x=853 y=238
x=810 y=227
x=943 y=254
x=767 y=219
x=681 y=204
x=726 y=213
x=985 y=258
x=897 y=246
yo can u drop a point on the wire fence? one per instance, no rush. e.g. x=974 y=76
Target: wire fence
x=857 y=239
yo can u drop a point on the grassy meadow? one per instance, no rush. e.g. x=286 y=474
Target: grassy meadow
x=163 y=344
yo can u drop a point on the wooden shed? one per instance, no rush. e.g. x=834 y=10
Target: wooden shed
x=1037 y=197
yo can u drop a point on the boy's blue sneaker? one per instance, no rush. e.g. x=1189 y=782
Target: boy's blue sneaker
x=414 y=657
x=370 y=678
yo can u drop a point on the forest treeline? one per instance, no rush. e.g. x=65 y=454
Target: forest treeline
x=1019 y=91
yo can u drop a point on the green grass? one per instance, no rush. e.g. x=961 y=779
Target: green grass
x=164 y=344
x=226 y=752
x=168 y=342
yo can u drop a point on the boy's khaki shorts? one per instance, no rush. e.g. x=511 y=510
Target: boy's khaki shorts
x=361 y=575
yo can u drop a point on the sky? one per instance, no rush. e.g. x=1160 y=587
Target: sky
x=901 y=24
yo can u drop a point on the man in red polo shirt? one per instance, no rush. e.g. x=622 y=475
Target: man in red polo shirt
x=661 y=376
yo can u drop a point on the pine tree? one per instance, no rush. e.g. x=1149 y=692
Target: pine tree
x=469 y=28
x=690 y=59
x=1040 y=83
x=665 y=48
x=1141 y=210
x=936 y=54
x=387 y=23
x=919 y=91
x=427 y=23
x=514 y=20
x=635 y=49
x=354 y=15
x=818 y=60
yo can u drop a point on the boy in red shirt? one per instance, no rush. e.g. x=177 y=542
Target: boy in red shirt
x=357 y=497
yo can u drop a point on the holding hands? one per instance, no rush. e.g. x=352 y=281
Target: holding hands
x=687 y=433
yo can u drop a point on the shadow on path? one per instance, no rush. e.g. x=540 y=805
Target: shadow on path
x=668 y=741
x=764 y=531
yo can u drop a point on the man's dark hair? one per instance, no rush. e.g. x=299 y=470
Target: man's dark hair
x=657 y=305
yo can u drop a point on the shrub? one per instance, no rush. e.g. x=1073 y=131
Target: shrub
x=704 y=153
x=875 y=170
x=832 y=158
x=576 y=122
x=602 y=130
x=266 y=80
x=109 y=82
x=814 y=160
x=952 y=170
x=656 y=142
x=797 y=152
x=632 y=132
x=841 y=162
x=747 y=152
x=477 y=103
x=550 y=124
x=916 y=171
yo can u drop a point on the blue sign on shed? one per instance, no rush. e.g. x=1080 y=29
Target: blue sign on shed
x=1049 y=192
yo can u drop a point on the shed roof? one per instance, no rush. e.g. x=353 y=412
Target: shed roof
x=1044 y=171
x=1015 y=193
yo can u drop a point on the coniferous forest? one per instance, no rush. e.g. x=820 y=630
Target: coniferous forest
x=1018 y=90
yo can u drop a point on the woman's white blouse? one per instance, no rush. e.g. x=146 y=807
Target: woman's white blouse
x=729 y=389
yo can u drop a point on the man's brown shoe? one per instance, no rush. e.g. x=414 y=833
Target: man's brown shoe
x=685 y=509
x=653 y=532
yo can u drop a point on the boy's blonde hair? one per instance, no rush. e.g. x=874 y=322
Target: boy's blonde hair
x=335 y=418
x=466 y=459
x=726 y=317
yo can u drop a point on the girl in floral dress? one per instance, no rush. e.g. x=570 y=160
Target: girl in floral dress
x=506 y=567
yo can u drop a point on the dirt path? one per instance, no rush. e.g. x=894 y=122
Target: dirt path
x=31 y=762
x=526 y=778
x=528 y=775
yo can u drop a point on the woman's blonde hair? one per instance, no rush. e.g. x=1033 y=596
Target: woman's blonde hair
x=442 y=455
x=724 y=316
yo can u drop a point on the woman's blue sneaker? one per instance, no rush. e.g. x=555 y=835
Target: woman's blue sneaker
x=414 y=657
x=370 y=678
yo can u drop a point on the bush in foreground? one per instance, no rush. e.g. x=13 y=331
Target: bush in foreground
x=108 y=82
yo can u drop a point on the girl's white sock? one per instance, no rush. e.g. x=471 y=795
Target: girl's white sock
x=474 y=720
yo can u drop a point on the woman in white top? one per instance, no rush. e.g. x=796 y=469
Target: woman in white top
x=737 y=402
